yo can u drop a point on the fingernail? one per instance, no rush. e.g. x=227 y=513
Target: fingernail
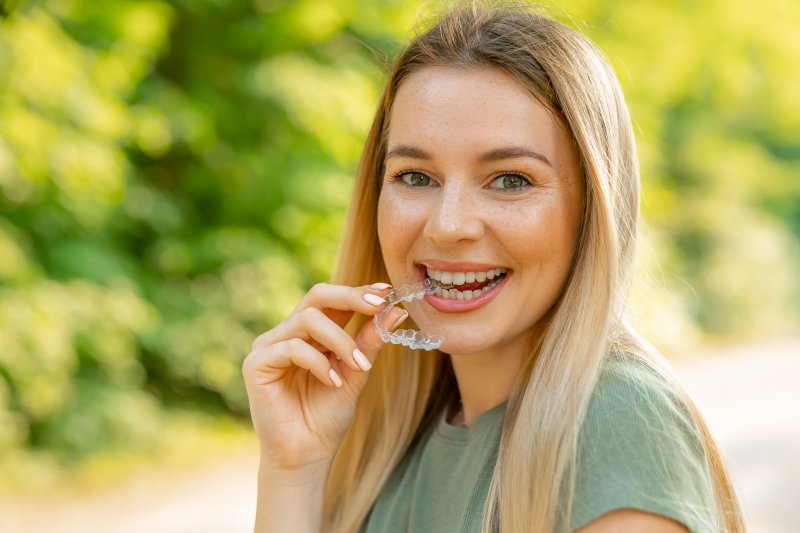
x=400 y=319
x=361 y=360
x=373 y=300
x=379 y=286
x=335 y=377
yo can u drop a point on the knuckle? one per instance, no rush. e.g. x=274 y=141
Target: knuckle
x=372 y=344
x=295 y=345
x=318 y=288
x=309 y=315
x=313 y=294
x=305 y=319
x=251 y=361
x=259 y=341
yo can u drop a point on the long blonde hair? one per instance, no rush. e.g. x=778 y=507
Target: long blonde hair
x=566 y=73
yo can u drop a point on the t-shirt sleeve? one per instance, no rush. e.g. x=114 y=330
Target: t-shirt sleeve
x=640 y=448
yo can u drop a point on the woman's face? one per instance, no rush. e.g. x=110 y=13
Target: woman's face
x=482 y=191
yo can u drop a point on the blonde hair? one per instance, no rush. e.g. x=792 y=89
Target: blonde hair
x=568 y=75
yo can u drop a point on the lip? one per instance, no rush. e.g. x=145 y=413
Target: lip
x=447 y=305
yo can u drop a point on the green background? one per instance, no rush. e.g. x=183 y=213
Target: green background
x=174 y=176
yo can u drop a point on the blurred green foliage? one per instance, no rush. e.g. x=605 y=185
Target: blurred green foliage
x=173 y=176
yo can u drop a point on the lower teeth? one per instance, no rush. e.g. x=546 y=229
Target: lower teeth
x=454 y=294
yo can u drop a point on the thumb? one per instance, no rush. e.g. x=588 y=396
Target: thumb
x=368 y=340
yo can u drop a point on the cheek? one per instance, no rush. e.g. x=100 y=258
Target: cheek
x=399 y=222
x=543 y=241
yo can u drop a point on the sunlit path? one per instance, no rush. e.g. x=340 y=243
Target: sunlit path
x=750 y=396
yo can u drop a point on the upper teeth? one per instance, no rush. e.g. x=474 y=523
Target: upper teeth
x=460 y=278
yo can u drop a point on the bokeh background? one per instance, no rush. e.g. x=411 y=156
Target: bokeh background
x=174 y=176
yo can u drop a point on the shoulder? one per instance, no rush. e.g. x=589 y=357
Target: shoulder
x=632 y=395
x=640 y=448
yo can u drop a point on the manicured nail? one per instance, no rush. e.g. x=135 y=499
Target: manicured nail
x=335 y=377
x=374 y=300
x=361 y=360
x=400 y=319
x=379 y=286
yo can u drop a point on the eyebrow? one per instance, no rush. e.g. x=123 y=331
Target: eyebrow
x=496 y=154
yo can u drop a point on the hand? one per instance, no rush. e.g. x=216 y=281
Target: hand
x=303 y=377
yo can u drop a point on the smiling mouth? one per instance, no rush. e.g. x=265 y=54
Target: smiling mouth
x=465 y=285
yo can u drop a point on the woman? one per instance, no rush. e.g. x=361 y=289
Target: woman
x=501 y=162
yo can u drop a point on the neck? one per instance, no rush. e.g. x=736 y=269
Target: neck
x=485 y=379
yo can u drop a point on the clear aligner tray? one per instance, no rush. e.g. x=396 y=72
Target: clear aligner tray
x=416 y=340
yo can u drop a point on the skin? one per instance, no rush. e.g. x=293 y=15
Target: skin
x=467 y=212
x=449 y=205
x=304 y=376
x=300 y=411
x=632 y=520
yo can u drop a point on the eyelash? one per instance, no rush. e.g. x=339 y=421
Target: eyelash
x=397 y=177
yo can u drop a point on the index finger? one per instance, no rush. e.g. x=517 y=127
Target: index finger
x=366 y=299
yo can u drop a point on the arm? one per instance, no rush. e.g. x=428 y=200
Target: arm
x=290 y=501
x=303 y=380
x=632 y=521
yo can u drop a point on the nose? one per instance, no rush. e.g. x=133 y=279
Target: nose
x=455 y=217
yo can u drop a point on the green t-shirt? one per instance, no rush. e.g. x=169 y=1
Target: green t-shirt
x=638 y=448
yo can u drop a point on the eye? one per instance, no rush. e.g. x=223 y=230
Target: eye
x=413 y=179
x=510 y=182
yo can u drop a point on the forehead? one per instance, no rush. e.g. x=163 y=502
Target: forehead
x=475 y=106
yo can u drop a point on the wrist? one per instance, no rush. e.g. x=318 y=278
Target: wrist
x=309 y=474
x=290 y=499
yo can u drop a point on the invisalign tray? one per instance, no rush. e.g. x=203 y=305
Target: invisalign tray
x=415 y=340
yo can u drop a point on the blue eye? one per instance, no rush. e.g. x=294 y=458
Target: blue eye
x=413 y=179
x=510 y=182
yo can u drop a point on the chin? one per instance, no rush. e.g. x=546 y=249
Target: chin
x=463 y=347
